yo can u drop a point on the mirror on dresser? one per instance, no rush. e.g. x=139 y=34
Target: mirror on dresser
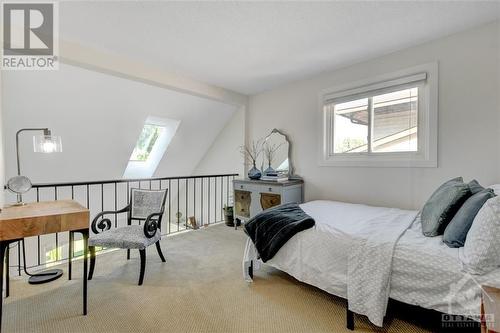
x=275 y=157
x=277 y=185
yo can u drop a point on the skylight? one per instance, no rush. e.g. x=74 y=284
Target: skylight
x=147 y=140
x=151 y=145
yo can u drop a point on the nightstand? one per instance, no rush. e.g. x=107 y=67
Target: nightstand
x=490 y=310
x=253 y=196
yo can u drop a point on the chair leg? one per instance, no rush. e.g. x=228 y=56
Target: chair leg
x=143 y=265
x=158 y=248
x=92 y=261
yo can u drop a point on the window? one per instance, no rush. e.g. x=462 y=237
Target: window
x=391 y=122
x=146 y=142
x=151 y=146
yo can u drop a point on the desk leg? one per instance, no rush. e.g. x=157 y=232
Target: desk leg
x=85 y=234
x=3 y=249
x=70 y=253
x=7 y=271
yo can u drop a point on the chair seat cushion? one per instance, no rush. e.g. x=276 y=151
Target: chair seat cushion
x=129 y=237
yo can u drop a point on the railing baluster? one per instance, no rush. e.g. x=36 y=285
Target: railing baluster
x=194 y=200
x=208 y=205
x=202 y=200
x=38 y=237
x=169 y=204
x=186 y=217
x=57 y=235
x=88 y=197
x=178 y=205
x=221 y=198
x=116 y=206
x=215 y=199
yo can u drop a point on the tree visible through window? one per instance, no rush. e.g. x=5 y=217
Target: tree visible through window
x=146 y=142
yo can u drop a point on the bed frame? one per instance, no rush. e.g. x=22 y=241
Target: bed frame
x=428 y=314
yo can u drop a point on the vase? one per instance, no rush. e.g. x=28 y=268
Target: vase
x=254 y=173
x=269 y=171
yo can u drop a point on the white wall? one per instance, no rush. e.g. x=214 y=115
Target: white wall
x=469 y=118
x=224 y=154
x=99 y=118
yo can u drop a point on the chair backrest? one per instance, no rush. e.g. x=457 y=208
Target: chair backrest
x=146 y=202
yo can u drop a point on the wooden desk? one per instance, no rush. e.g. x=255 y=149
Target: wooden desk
x=18 y=222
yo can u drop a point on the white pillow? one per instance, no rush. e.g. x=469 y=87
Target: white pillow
x=481 y=252
x=496 y=188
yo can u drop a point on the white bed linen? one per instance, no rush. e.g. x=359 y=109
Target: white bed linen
x=425 y=272
x=369 y=265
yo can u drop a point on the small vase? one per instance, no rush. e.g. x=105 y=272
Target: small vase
x=254 y=173
x=269 y=171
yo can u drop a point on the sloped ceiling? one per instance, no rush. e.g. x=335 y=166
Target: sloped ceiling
x=254 y=46
x=100 y=118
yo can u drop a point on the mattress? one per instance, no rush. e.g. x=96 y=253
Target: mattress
x=425 y=272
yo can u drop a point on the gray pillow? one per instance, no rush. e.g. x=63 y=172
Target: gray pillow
x=442 y=206
x=481 y=253
x=457 y=229
x=475 y=187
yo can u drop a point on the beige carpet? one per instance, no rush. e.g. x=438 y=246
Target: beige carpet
x=199 y=289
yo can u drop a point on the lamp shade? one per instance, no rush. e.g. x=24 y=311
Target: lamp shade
x=47 y=144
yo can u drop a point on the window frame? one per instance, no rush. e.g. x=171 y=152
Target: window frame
x=425 y=156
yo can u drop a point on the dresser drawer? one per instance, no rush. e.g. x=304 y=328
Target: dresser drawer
x=270 y=189
x=268 y=200
x=242 y=187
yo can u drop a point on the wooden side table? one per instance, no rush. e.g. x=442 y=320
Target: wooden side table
x=40 y=218
x=490 y=310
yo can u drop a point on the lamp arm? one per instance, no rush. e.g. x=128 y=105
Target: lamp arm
x=46 y=131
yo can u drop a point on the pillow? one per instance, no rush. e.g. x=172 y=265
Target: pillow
x=475 y=187
x=456 y=231
x=481 y=253
x=496 y=188
x=442 y=206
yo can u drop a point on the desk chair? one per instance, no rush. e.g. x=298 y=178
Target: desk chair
x=145 y=205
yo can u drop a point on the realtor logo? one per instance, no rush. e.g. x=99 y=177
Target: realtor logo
x=30 y=36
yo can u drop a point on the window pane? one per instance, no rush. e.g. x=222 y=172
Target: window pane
x=395 y=121
x=351 y=127
x=146 y=142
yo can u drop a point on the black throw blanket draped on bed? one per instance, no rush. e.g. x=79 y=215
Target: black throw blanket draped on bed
x=272 y=228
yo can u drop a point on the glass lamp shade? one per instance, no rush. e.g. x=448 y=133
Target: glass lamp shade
x=47 y=144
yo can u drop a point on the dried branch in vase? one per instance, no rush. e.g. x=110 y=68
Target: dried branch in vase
x=270 y=151
x=252 y=152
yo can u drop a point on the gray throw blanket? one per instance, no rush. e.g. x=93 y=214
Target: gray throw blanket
x=272 y=228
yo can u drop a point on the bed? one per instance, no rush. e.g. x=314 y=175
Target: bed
x=346 y=251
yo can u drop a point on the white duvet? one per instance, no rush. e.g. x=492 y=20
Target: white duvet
x=349 y=241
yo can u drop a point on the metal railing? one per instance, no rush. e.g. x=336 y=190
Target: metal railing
x=202 y=197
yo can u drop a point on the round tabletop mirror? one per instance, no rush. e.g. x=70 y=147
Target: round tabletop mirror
x=19 y=184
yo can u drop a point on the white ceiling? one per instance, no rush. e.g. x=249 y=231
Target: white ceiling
x=250 y=47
